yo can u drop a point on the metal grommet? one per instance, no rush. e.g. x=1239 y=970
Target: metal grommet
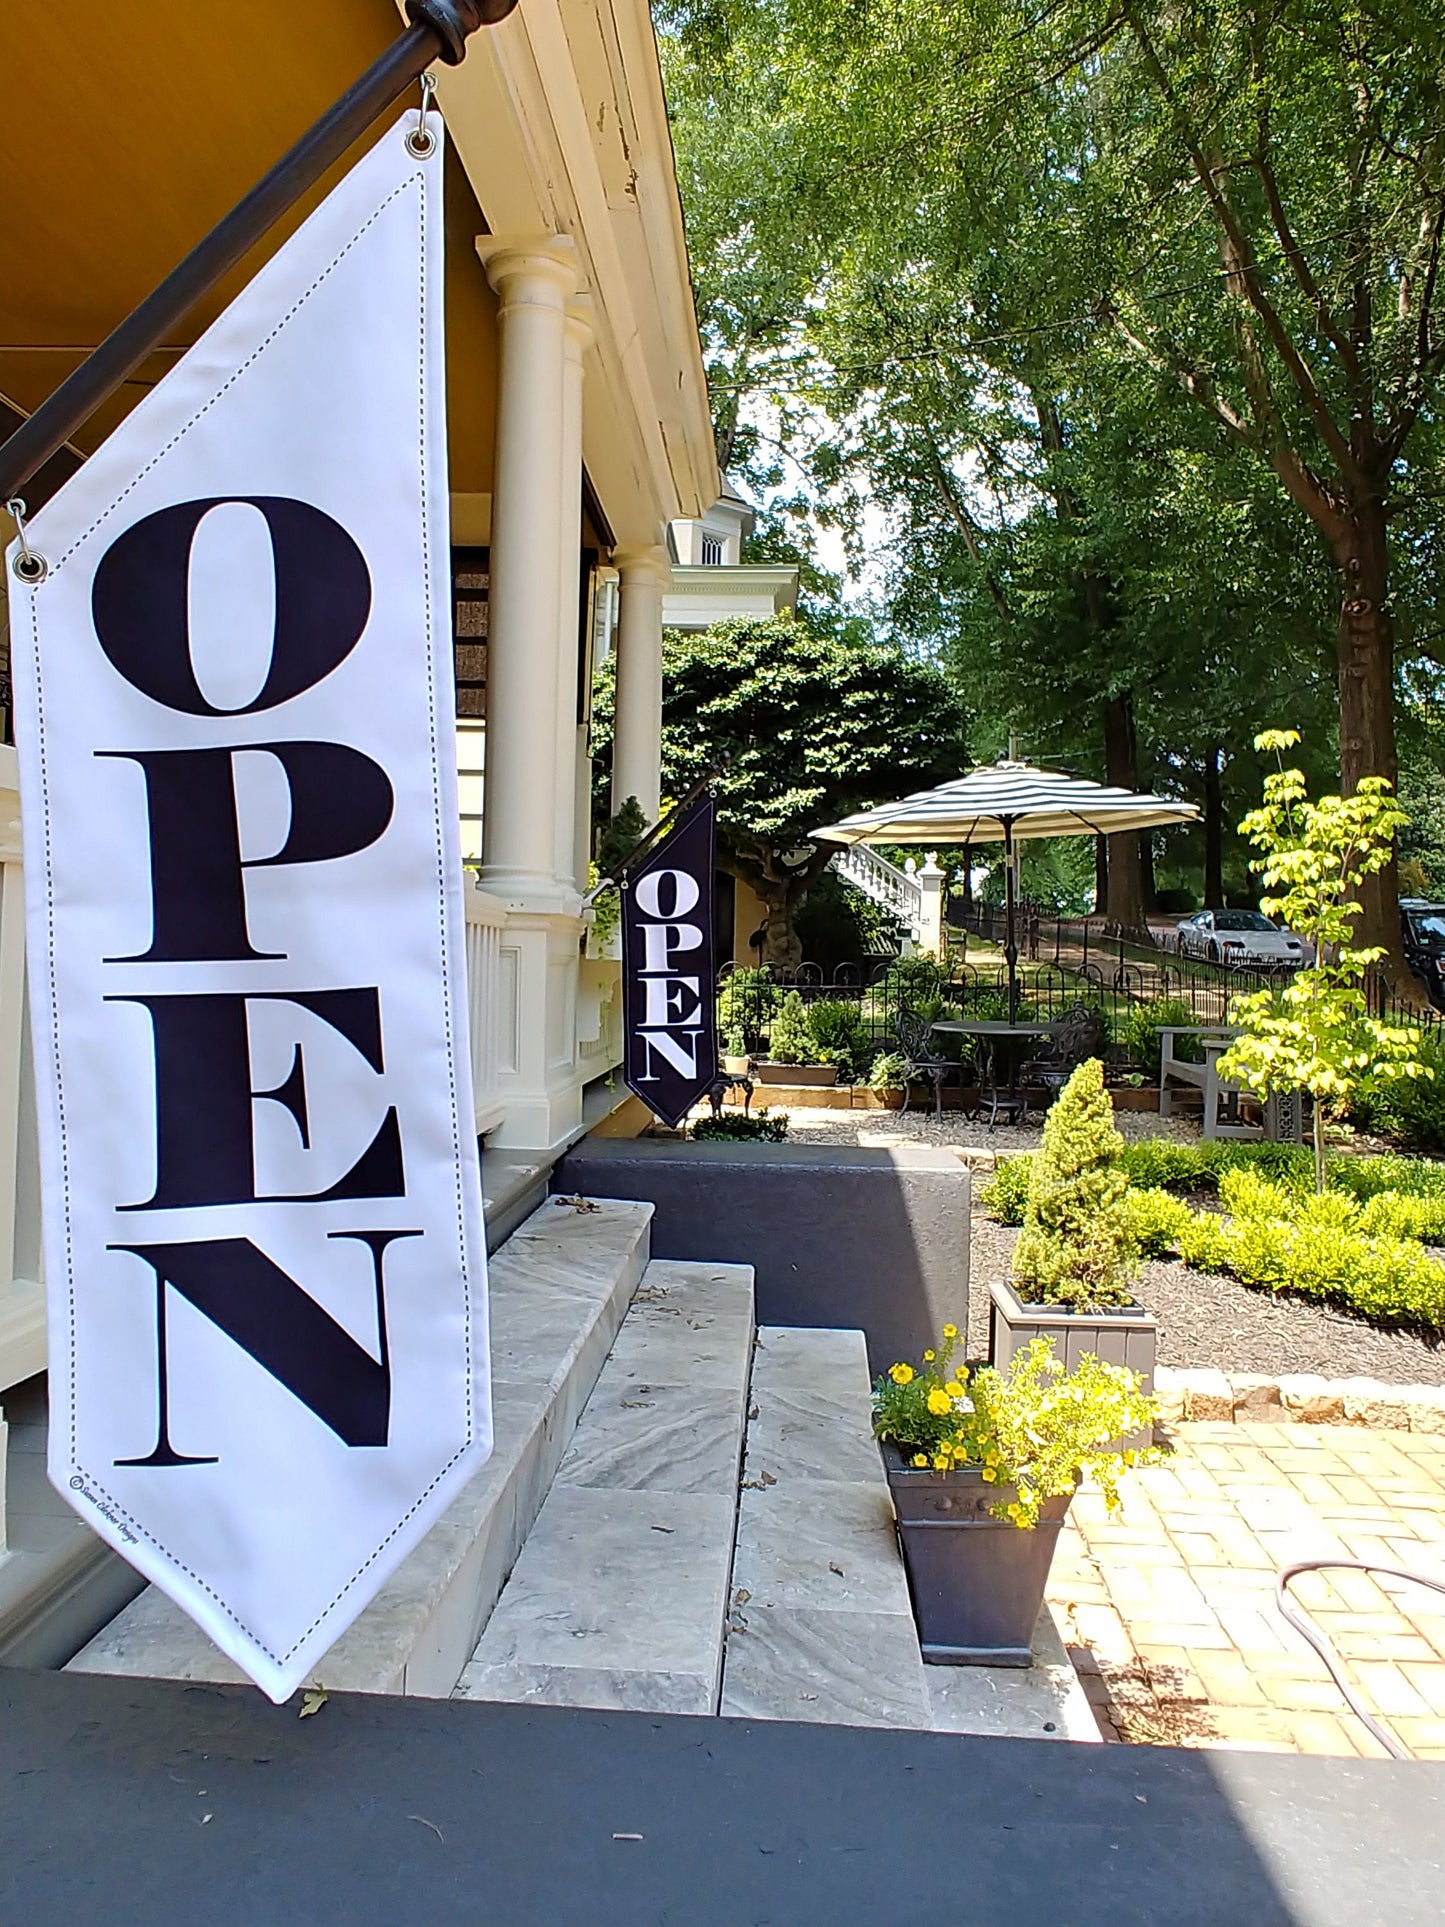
x=420 y=141
x=28 y=567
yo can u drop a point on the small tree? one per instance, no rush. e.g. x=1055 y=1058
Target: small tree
x=790 y=1041
x=1076 y=1247
x=1317 y=1034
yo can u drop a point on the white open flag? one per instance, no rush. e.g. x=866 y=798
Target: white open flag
x=234 y=716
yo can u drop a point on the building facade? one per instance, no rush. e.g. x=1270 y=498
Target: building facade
x=578 y=431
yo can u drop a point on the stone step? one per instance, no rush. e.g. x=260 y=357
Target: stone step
x=821 y=1628
x=619 y=1595
x=559 y=1288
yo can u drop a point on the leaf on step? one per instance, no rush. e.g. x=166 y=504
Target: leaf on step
x=312 y=1701
x=768 y=1479
x=579 y=1204
x=664 y=1528
x=833 y=1566
x=741 y=1596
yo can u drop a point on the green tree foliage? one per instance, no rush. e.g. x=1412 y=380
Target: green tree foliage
x=1317 y=1034
x=1127 y=314
x=816 y=720
x=1076 y=1247
x=790 y=1041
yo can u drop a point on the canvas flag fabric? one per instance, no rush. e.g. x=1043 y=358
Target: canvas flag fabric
x=669 y=968
x=261 y=1200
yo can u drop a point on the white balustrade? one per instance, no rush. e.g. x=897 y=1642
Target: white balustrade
x=491 y=1004
x=22 y=1295
x=884 y=882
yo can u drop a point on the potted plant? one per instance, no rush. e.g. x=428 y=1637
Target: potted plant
x=982 y=1466
x=887 y=1077
x=735 y=1052
x=793 y=1057
x=1076 y=1257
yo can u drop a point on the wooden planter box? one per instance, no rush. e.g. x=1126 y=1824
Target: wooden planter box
x=813 y=1077
x=1127 y=1336
x=977 y=1582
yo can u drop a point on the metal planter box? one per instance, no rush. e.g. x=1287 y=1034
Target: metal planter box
x=977 y=1582
x=1126 y=1336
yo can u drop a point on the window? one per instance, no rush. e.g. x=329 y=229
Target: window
x=711 y=552
x=471 y=579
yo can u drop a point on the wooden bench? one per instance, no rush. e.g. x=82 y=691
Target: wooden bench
x=1283 y=1112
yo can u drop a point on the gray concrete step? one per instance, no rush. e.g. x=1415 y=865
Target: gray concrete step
x=558 y=1290
x=821 y=1628
x=618 y=1597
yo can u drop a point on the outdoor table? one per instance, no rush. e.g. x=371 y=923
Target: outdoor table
x=1283 y=1117
x=996 y=1036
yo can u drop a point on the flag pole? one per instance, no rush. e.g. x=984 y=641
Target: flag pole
x=439 y=31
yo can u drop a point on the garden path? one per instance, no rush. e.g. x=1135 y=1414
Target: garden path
x=1168 y=1607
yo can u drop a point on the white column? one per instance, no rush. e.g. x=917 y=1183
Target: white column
x=637 y=728
x=577 y=336
x=930 y=930
x=530 y=563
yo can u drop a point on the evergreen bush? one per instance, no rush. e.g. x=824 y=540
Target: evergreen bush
x=842 y=1036
x=1076 y=1247
x=789 y=1039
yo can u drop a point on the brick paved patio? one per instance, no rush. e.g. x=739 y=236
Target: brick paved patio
x=1168 y=1607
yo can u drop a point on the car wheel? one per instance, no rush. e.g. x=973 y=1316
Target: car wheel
x=1213 y=951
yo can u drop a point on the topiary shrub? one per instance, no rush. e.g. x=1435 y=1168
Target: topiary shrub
x=1076 y=1247
x=746 y=1000
x=789 y=1039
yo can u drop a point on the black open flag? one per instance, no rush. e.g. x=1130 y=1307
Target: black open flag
x=669 y=968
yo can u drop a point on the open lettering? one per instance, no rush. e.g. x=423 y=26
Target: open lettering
x=340 y=803
x=671 y=1032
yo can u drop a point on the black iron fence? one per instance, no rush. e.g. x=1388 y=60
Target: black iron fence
x=868 y=1008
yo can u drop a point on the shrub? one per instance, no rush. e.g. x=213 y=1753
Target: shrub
x=1412 y=1109
x=1006 y=1194
x=745 y=1002
x=1075 y=1247
x=1395 y=1214
x=768 y=1127
x=1034 y=1427
x=789 y=1039
x=1136 y=1031
x=841 y=1036
x=1156 y=1220
x=889 y=1072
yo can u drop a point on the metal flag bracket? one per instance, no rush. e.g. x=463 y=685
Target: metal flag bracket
x=28 y=565
x=421 y=141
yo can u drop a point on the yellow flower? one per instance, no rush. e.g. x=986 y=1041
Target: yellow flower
x=950 y=1331
x=901 y=1374
x=989 y=1474
x=939 y=1403
x=953 y=1388
x=920 y=1459
x=928 y=1357
x=940 y=1463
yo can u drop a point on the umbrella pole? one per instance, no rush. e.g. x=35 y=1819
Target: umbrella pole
x=1010 y=948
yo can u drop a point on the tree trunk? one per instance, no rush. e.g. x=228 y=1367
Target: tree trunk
x=1124 y=908
x=1213 y=832
x=1101 y=873
x=1367 y=716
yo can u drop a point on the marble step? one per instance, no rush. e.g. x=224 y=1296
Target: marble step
x=619 y=1595
x=559 y=1288
x=821 y=1628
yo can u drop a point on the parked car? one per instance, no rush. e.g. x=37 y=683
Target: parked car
x=1423 y=926
x=1243 y=938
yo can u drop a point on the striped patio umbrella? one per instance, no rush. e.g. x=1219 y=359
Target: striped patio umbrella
x=1001 y=803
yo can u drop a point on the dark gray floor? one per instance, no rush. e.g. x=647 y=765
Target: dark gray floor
x=415 y=1813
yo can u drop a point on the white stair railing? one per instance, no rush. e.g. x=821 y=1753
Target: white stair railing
x=884 y=882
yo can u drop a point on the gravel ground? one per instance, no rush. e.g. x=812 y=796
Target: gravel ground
x=1203 y=1320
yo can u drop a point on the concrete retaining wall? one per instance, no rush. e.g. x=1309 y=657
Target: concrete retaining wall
x=873 y=1239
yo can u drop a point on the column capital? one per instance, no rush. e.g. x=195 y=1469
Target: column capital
x=642 y=564
x=581 y=325
x=530 y=268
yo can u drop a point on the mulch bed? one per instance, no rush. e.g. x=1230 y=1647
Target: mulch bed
x=1206 y=1321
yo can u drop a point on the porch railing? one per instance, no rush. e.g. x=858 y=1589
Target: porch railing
x=491 y=1005
x=22 y=1294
